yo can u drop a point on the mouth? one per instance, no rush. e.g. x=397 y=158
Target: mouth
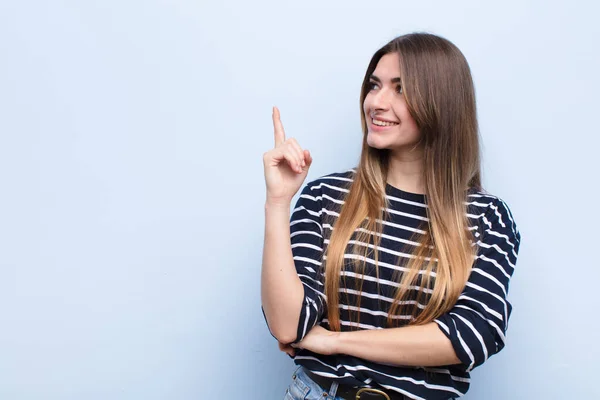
x=381 y=125
x=381 y=122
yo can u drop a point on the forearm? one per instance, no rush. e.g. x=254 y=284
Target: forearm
x=282 y=292
x=422 y=345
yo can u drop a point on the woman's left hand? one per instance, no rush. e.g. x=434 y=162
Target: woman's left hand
x=319 y=340
x=286 y=348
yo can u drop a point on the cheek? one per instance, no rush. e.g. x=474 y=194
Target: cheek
x=412 y=124
x=366 y=105
x=407 y=119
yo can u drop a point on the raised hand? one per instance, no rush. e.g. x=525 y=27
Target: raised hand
x=286 y=165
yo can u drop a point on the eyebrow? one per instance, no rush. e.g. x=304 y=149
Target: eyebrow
x=393 y=80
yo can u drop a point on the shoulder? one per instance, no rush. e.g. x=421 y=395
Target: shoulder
x=492 y=212
x=336 y=183
x=341 y=178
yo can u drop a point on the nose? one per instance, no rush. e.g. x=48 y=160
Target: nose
x=381 y=99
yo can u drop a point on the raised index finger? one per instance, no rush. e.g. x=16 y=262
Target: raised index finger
x=278 y=127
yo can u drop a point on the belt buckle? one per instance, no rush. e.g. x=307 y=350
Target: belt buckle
x=370 y=390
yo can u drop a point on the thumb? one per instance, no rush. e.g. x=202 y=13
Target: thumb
x=307 y=158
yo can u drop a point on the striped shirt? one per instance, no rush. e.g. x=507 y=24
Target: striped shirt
x=476 y=325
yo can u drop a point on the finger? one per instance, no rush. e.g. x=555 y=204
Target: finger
x=297 y=147
x=286 y=348
x=278 y=127
x=308 y=158
x=292 y=160
x=277 y=155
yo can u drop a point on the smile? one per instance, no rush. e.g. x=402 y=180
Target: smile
x=383 y=123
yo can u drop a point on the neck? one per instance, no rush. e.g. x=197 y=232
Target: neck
x=405 y=170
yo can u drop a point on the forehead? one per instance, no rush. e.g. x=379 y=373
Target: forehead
x=388 y=67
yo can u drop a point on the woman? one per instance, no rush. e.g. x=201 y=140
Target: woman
x=390 y=281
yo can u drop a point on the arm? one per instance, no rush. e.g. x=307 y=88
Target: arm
x=477 y=323
x=304 y=243
x=420 y=345
x=281 y=289
x=282 y=292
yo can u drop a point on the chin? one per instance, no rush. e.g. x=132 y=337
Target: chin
x=376 y=142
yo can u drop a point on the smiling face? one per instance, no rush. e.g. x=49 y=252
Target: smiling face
x=389 y=123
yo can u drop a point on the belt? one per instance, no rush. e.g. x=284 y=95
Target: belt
x=354 y=393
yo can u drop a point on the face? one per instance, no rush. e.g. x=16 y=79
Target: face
x=389 y=124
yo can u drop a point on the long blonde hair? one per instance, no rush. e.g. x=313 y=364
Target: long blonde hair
x=439 y=92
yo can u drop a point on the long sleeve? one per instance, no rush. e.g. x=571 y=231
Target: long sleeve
x=477 y=324
x=306 y=232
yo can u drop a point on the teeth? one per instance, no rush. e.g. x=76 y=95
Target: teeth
x=383 y=123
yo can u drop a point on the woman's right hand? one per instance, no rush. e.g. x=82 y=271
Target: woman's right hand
x=286 y=165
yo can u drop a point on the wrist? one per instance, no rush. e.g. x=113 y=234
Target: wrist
x=278 y=204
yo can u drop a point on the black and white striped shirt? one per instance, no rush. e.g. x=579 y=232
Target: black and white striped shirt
x=476 y=325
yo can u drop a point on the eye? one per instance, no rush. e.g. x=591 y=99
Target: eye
x=371 y=85
x=399 y=89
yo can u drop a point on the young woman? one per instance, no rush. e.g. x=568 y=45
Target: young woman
x=390 y=281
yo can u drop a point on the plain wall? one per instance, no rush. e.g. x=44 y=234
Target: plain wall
x=132 y=189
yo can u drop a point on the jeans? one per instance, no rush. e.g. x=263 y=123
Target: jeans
x=304 y=388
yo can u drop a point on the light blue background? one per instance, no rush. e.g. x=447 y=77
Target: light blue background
x=131 y=206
